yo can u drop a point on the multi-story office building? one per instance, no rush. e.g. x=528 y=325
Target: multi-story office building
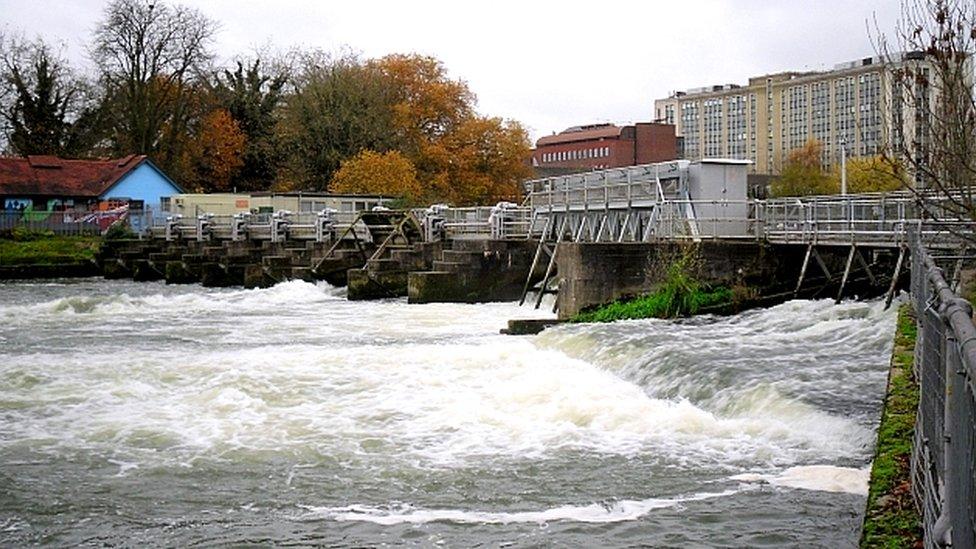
x=599 y=146
x=858 y=104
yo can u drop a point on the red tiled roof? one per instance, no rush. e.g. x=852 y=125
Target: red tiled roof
x=53 y=176
x=580 y=135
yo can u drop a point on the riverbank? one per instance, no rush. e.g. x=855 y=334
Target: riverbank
x=890 y=518
x=42 y=255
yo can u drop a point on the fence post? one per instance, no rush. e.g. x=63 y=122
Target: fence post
x=958 y=427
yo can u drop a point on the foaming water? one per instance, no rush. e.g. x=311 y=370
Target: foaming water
x=303 y=410
x=617 y=511
x=826 y=478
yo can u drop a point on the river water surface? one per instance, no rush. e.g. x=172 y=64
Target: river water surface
x=145 y=414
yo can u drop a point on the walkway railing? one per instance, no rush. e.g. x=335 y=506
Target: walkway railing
x=944 y=455
x=67 y=223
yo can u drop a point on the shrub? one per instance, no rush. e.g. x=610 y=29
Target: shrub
x=119 y=231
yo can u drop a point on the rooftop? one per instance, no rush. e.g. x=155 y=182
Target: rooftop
x=581 y=133
x=54 y=176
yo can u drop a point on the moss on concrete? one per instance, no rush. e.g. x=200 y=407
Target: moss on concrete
x=890 y=518
x=660 y=304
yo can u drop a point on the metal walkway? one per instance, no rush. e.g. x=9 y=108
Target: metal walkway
x=654 y=202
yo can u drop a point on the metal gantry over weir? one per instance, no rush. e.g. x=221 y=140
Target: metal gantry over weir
x=678 y=200
x=668 y=201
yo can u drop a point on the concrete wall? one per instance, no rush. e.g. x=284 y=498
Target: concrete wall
x=593 y=274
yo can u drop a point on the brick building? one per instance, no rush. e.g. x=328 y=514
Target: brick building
x=599 y=146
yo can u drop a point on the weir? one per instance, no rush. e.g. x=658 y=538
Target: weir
x=589 y=238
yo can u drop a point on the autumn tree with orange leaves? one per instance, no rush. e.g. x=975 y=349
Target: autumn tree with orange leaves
x=461 y=158
x=802 y=173
x=370 y=172
x=289 y=121
x=218 y=153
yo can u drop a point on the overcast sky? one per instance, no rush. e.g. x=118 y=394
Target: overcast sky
x=550 y=65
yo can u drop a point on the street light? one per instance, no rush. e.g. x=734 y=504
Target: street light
x=843 y=166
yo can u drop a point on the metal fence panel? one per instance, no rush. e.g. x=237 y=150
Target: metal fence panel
x=60 y=223
x=943 y=458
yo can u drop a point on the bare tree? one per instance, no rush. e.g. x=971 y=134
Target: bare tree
x=930 y=57
x=149 y=54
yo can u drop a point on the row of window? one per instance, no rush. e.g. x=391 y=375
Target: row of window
x=576 y=154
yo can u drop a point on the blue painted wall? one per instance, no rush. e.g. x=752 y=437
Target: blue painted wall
x=144 y=183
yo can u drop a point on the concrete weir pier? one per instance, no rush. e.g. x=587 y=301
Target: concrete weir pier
x=474 y=271
x=215 y=264
x=459 y=271
x=593 y=274
x=467 y=271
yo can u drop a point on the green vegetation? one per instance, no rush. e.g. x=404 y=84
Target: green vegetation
x=44 y=248
x=681 y=294
x=660 y=304
x=890 y=518
x=120 y=231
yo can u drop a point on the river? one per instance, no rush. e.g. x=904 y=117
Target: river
x=146 y=414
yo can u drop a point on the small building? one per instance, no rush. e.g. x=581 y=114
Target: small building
x=49 y=183
x=266 y=202
x=601 y=146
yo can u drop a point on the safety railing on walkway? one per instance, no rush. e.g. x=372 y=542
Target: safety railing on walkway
x=943 y=457
x=502 y=221
x=60 y=223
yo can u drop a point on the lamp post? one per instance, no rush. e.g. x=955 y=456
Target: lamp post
x=843 y=166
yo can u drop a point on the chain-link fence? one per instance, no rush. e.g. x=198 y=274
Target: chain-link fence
x=943 y=456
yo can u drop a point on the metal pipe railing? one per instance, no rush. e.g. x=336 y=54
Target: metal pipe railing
x=943 y=467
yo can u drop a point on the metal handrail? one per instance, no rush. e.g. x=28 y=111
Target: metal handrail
x=943 y=465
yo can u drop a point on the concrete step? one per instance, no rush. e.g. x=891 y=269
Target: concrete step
x=131 y=255
x=384 y=265
x=162 y=257
x=276 y=261
x=302 y=273
x=452 y=266
x=461 y=256
x=411 y=260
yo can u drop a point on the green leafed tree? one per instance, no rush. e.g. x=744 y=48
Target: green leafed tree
x=252 y=95
x=45 y=107
x=340 y=107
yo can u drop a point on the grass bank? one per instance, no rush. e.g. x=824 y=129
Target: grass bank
x=22 y=248
x=890 y=519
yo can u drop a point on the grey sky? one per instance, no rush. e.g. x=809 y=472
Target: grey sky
x=549 y=65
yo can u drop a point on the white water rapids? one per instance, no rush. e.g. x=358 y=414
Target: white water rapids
x=136 y=412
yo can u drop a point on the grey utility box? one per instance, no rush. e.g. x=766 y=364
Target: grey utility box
x=719 y=188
